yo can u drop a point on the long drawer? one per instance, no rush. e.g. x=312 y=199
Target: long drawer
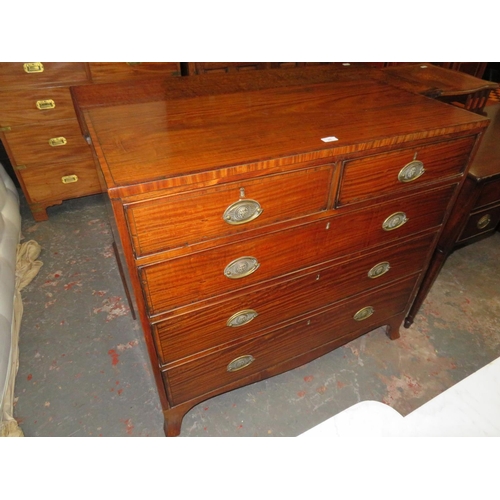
x=18 y=74
x=40 y=105
x=188 y=333
x=50 y=143
x=225 y=366
x=184 y=219
x=118 y=71
x=231 y=267
x=394 y=172
x=61 y=181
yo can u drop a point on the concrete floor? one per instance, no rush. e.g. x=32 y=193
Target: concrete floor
x=84 y=370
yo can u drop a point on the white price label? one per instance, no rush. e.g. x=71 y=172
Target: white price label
x=329 y=139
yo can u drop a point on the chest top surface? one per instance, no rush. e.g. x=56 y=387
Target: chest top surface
x=138 y=142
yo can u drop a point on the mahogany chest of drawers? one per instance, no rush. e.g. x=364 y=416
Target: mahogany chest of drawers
x=268 y=222
x=39 y=128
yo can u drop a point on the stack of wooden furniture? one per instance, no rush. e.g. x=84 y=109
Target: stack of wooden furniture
x=265 y=221
x=40 y=132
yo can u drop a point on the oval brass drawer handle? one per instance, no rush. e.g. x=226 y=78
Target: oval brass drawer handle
x=242 y=211
x=411 y=171
x=484 y=221
x=242 y=317
x=364 y=313
x=379 y=269
x=239 y=363
x=394 y=221
x=58 y=141
x=45 y=104
x=241 y=267
x=35 y=67
x=68 y=179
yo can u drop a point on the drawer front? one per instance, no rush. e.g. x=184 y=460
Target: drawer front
x=490 y=193
x=32 y=144
x=61 y=181
x=21 y=107
x=210 y=372
x=117 y=71
x=189 y=279
x=188 y=218
x=186 y=334
x=481 y=222
x=18 y=74
x=395 y=172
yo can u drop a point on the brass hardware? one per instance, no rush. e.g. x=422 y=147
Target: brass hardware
x=394 y=221
x=133 y=63
x=239 y=363
x=484 y=221
x=45 y=104
x=20 y=167
x=68 y=179
x=364 y=313
x=5 y=129
x=242 y=211
x=241 y=317
x=411 y=171
x=378 y=270
x=36 y=67
x=241 y=267
x=58 y=141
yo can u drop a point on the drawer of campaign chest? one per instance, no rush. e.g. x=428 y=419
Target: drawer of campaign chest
x=187 y=218
x=34 y=74
x=194 y=378
x=61 y=181
x=184 y=280
x=40 y=105
x=391 y=173
x=118 y=71
x=194 y=331
x=49 y=143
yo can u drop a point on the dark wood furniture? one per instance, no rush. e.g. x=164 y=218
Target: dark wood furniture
x=448 y=86
x=477 y=211
x=269 y=219
x=40 y=132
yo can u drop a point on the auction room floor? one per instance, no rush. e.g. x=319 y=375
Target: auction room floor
x=84 y=369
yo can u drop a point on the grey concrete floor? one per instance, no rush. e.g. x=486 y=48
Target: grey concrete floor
x=84 y=370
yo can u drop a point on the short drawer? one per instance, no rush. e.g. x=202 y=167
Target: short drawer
x=117 y=71
x=188 y=218
x=481 y=222
x=395 y=172
x=61 y=181
x=192 y=379
x=184 y=280
x=490 y=192
x=50 y=143
x=22 y=107
x=36 y=74
x=186 y=334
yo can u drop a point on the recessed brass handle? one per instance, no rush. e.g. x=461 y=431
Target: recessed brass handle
x=241 y=267
x=58 y=141
x=394 y=221
x=379 y=269
x=35 y=67
x=364 y=313
x=133 y=63
x=484 y=221
x=45 y=104
x=68 y=179
x=411 y=171
x=239 y=363
x=242 y=211
x=242 y=317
